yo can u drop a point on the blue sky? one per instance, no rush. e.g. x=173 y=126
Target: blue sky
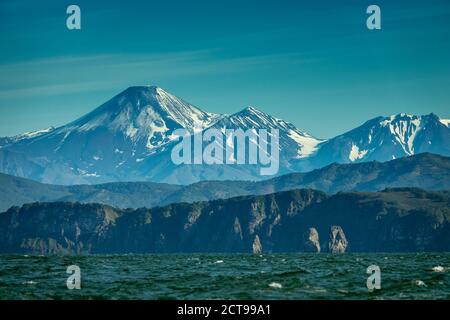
x=313 y=63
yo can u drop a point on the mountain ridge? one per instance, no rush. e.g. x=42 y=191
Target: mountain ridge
x=395 y=220
x=427 y=171
x=130 y=138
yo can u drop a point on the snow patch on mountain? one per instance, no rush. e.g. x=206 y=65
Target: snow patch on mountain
x=5 y=141
x=32 y=134
x=177 y=110
x=404 y=129
x=37 y=133
x=307 y=144
x=445 y=122
x=356 y=154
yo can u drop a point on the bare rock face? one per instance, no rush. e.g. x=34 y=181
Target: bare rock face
x=223 y=226
x=312 y=243
x=257 y=247
x=338 y=242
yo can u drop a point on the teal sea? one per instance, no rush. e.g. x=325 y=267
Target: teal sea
x=226 y=276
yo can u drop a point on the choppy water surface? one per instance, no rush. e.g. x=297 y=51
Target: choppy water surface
x=226 y=276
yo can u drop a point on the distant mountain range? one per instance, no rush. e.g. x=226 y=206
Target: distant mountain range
x=383 y=139
x=395 y=220
x=425 y=170
x=130 y=138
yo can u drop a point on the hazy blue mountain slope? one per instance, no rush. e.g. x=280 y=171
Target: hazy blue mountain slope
x=427 y=171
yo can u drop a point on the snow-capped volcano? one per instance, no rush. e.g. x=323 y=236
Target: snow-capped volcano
x=293 y=142
x=145 y=114
x=130 y=138
x=385 y=138
x=111 y=140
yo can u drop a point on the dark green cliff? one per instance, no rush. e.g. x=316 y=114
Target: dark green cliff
x=395 y=220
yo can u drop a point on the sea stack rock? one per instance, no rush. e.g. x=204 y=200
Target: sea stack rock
x=338 y=242
x=257 y=247
x=312 y=243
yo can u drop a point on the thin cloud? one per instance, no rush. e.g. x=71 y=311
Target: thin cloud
x=63 y=75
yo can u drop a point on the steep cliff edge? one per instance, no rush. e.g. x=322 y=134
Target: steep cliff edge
x=395 y=220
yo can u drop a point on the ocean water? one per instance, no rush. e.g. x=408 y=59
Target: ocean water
x=226 y=276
